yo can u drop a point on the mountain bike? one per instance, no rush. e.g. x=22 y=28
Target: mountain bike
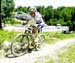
x=22 y=42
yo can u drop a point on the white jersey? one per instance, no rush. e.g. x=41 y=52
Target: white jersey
x=37 y=17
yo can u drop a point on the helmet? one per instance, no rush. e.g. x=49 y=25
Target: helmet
x=32 y=9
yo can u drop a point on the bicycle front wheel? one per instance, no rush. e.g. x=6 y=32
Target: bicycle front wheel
x=40 y=42
x=20 y=45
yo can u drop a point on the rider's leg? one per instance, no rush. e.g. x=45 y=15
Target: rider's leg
x=34 y=35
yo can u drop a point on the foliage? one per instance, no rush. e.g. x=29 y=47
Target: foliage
x=7 y=7
x=20 y=8
x=61 y=15
x=12 y=21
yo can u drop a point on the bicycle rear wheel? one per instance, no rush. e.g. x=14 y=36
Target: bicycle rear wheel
x=20 y=45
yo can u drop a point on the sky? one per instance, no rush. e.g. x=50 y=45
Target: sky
x=54 y=3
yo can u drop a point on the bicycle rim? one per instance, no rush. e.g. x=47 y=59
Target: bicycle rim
x=41 y=39
x=20 y=45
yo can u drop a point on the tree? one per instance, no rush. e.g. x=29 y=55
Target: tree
x=7 y=8
x=20 y=8
x=73 y=21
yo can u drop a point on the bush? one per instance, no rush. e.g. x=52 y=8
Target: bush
x=8 y=20
x=52 y=22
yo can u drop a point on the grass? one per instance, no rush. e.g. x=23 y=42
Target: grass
x=6 y=35
x=52 y=37
x=13 y=21
x=67 y=54
x=65 y=36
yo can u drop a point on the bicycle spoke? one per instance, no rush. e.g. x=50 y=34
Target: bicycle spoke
x=20 y=45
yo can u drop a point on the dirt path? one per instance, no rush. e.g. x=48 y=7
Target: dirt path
x=45 y=50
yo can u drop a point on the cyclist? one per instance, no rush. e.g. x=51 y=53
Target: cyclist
x=36 y=17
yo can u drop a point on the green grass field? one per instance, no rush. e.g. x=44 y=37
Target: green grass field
x=7 y=35
x=51 y=37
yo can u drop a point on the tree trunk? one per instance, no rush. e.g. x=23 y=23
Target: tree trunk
x=0 y=22
x=0 y=16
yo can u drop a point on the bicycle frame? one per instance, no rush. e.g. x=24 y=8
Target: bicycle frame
x=29 y=32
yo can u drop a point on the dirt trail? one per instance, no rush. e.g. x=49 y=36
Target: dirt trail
x=34 y=55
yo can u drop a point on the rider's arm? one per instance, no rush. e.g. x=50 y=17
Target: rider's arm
x=30 y=20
